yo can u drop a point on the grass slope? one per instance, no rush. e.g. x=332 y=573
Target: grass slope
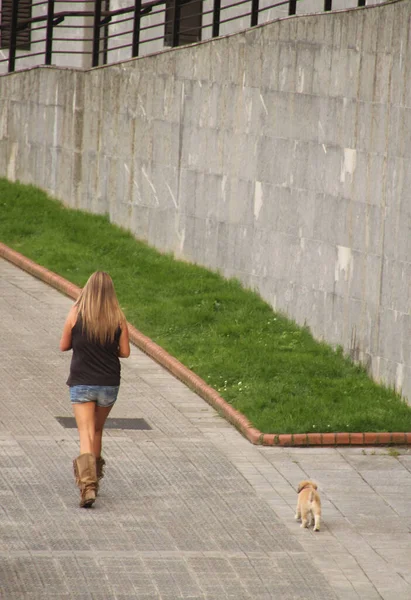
x=266 y=366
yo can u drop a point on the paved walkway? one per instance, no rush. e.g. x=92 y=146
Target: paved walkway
x=189 y=509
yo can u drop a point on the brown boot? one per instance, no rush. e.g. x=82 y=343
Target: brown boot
x=100 y=462
x=86 y=478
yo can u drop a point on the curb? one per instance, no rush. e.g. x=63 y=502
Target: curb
x=206 y=392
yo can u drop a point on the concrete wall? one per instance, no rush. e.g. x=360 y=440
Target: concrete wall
x=279 y=155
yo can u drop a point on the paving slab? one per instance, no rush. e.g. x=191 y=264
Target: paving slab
x=189 y=509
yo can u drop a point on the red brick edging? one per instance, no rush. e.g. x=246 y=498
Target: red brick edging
x=206 y=392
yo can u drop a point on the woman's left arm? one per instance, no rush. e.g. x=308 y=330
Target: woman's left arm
x=124 y=343
x=65 y=341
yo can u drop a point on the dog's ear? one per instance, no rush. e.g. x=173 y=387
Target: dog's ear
x=301 y=485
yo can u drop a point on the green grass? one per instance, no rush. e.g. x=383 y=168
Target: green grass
x=266 y=366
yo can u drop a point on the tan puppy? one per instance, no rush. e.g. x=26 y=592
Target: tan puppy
x=308 y=505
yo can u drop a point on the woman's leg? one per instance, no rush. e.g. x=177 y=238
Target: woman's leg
x=85 y=415
x=101 y=415
x=85 y=464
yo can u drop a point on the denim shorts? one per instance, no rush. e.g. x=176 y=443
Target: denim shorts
x=103 y=395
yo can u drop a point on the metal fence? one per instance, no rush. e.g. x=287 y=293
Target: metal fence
x=45 y=33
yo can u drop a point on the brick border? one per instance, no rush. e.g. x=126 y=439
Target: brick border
x=206 y=392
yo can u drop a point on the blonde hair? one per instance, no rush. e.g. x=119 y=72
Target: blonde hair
x=99 y=309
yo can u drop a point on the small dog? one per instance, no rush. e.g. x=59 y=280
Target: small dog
x=308 y=505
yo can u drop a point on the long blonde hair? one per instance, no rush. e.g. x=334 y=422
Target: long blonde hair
x=99 y=309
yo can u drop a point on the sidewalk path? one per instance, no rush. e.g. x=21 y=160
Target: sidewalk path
x=189 y=509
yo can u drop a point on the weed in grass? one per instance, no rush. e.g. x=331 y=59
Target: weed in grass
x=262 y=363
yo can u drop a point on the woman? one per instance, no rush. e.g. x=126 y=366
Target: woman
x=96 y=330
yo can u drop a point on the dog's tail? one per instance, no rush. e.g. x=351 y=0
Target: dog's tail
x=311 y=496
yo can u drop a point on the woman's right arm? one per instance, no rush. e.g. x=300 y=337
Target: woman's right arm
x=124 y=343
x=65 y=341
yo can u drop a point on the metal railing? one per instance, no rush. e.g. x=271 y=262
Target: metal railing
x=98 y=35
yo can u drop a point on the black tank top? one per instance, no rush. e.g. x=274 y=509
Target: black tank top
x=93 y=363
